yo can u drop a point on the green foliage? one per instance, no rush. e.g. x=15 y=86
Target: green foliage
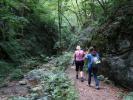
x=117 y=27
x=54 y=82
x=27 y=29
x=31 y=63
x=26 y=24
x=14 y=50
x=5 y=68
x=10 y=22
x=63 y=61
x=17 y=74
x=59 y=87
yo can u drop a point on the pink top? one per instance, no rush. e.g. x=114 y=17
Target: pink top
x=79 y=55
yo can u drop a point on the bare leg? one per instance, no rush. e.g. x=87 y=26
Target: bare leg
x=82 y=76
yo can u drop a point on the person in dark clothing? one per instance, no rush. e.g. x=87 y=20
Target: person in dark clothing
x=79 y=62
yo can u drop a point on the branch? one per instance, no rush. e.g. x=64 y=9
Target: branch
x=104 y=9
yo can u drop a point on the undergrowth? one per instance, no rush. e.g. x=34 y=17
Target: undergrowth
x=55 y=83
x=10 y=71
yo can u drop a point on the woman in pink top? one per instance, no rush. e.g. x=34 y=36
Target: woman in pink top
x=79 y=62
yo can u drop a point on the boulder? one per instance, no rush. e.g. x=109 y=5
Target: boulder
x=119 y=69
x=23 y=82
x=37 y=88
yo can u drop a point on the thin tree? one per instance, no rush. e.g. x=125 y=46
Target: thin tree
x=59 y=21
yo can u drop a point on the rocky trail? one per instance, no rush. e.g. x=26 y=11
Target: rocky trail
x=106 y=92
x=13 y=89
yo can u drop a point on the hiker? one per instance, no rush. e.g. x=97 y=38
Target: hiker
x=93 y=65
x=79 y=62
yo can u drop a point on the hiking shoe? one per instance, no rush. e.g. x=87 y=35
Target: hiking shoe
x=89 y=85
x=76 y=76
x=97 y=87
x=82 y=79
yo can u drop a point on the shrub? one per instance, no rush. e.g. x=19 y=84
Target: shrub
x=16 y=74
x=55 y=84
x=63 y=60
x=59 y=87
x=5 y=68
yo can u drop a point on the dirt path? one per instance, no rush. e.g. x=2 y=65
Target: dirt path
x=106 y=92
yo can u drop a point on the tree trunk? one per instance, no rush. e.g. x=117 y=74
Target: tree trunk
x=59 y=22
x=79 y=12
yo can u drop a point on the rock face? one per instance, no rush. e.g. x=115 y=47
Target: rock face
x=119 y=69
x=115 y=39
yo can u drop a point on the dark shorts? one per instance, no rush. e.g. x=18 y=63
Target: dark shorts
x=79 y=65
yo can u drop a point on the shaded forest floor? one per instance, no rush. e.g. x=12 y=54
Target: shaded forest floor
x=106 y=92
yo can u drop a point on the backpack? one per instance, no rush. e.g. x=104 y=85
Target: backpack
x=96 y=62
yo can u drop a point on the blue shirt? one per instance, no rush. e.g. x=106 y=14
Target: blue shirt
x=89 y=57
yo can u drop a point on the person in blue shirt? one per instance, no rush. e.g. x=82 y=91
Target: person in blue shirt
x=91 y=70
